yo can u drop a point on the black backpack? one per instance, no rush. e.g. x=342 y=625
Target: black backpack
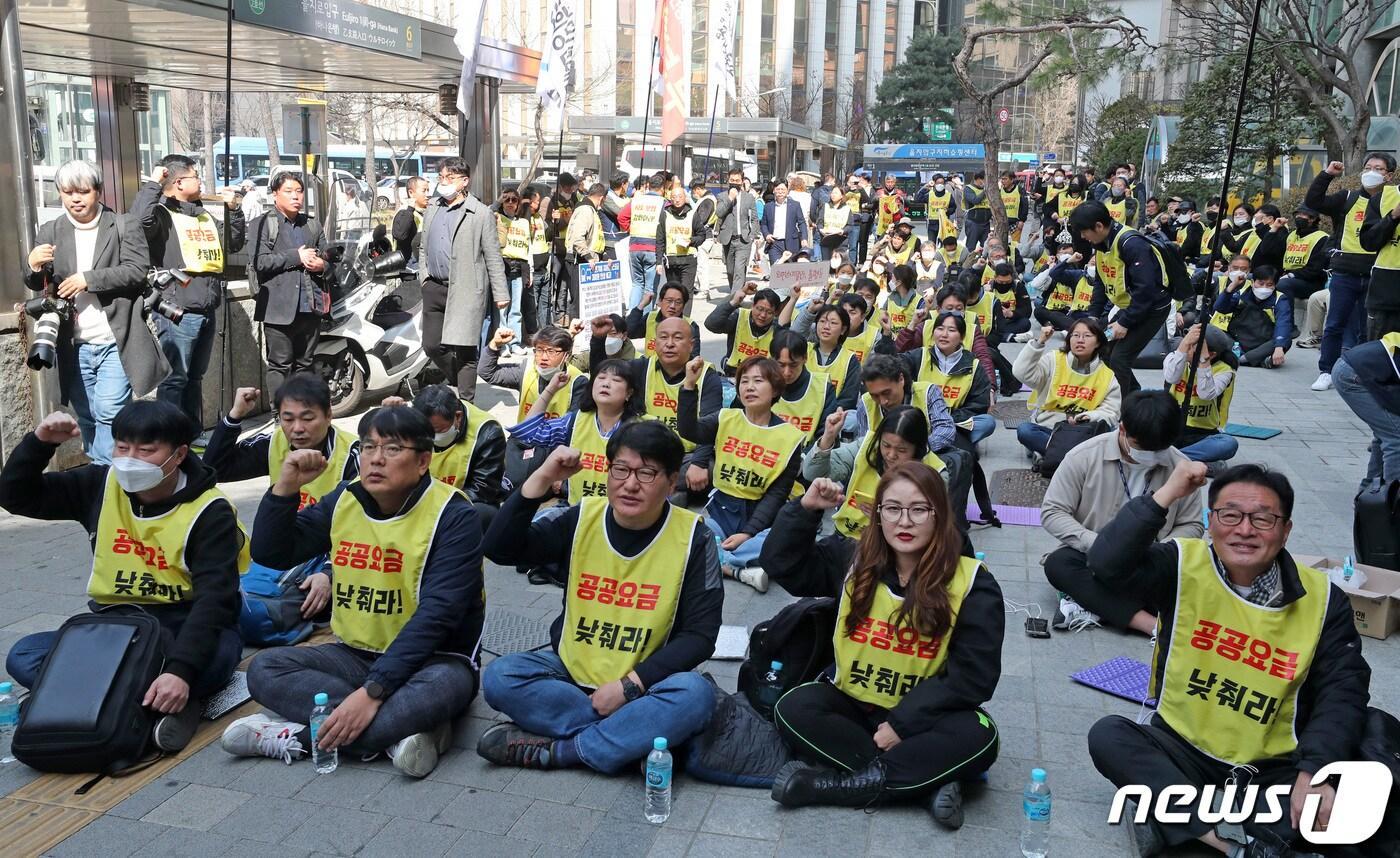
x=1178 y=283
x=84 y=713
x=1380 y=742
x=1376 y=526
x=799 y=636
x=1063 y=438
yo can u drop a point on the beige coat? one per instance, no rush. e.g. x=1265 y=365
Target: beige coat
x=1035 y=365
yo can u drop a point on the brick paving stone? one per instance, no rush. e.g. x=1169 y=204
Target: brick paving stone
x=197 y=806
x=337 y=830
x=403 y=837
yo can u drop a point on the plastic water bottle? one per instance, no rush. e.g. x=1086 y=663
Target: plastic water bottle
x=1035 y=831
x=325 y=761
x=9 y=719
x=770 y=690
x=1348 y=570
x=1239 y=353
x=658 y=808
x=980 y=556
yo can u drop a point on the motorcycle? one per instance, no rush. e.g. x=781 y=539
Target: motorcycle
x=369 y=341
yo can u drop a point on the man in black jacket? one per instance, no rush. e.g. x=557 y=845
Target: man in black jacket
x=163 y=537
x=1261 y=676
x=185 y=238
x=407 y=228
x=289 y=260
x=407 y=609
x=642 y=603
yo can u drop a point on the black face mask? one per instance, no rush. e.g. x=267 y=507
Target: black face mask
x=735 y=187
x=1302 y=224
x=1001 y=287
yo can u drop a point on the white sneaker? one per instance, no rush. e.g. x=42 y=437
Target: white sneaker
x=755 y=577
x=260 y=736
x=1022 y=337
x=417 y=755
x=1324 y=381
x=1074 y=617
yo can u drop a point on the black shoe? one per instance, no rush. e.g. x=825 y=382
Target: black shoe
x=543 y=575
x=988 y=520
x=946 y=806
x=508 y=745
x=173 y=732
x=799 y=785
x=1266 y=844
x=1147 y=837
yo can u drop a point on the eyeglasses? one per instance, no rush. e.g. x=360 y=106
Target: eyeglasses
x=390 y=451
x=891 y=513
x=620 y=472
x=1258 y=520
x=546 y=351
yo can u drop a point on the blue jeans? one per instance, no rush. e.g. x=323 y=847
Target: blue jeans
x=1212 y=448
x=1346 y=316
x=27 y=657
x=982 y=426
x=97 y=390
x=643 y=276
x=725 y=516
x=1384 y=464
x=853 y=241
x=1033 y=436
x=514 y=316
x=187 y=347
x=534 y=690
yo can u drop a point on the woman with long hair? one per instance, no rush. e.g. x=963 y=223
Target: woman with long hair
x=1073 y=383
x=917 y=648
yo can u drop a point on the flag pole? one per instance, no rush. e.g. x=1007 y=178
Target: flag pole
x=646 y=112
x=710 y=140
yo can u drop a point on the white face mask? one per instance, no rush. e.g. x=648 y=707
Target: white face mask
x=1118 y=192
x=1146 y=458
x=877 y=270
x=548 y=372
x=1235 y=275
x=1262 y=292
x=1090 y=271
x=1183 y=219
x=137 y=475
x=447 y=192
x=1065 y=257
x=835 y=262
x=1241 y=220
x=613 y=345
x=1059 y=180
x=445 y=438
x=1372 y=179
x=938 y=186
x=926 y=255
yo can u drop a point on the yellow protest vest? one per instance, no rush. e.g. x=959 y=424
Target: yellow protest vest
x=902 y=317
x=901 y=256
x=530 y=391
x=939 y=202
x=880 y=661
x=806 y=413
x=539 y=239
x=950 y=259
x=515 y=242
x=1299 y=248
x=452 y=465
x=749 y=458
x=619 y=610
x=981 y=201
x=1066 y=299
x=662 y=397
x=747 y=344
x=646 y=213
x=954 y=387
x=1074 y=392
x=1068 y=203
x=840 y=367
x=1234 y=668
x=1218 y=319
x=1207 y=414
x=592 y=480
x=918 y=398
x=978 y=314
x=1052 y=191
x=889 y=207
x=1011 y=201
x=1118 y=210
x=835 y=218
x=377 y=566
x=141 y=561
x=654 y=319
x=1251 y=241
x=340 y=441
x=1389 y=256
x=678 y=232
x=863 y=343
x=1356 y=216
x=200 y=249
x=1113 y=272
x=850 y=520
x=600 y=241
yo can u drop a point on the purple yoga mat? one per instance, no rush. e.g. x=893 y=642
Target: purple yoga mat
x=1024 y=516
x=1122 y=677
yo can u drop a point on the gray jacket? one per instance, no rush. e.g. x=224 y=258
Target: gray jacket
x=118 y=281
x=737 y=218
x=477 y=274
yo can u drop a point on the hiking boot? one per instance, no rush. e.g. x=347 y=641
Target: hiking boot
x=946 y=806
x=173 y=732
x=754 y=576
x=1074 y=617
x=417 y=755
x=261 y=736
x=1324 y=381
x=508 y=745
x=800 y=785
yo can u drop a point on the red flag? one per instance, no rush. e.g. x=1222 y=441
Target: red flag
x=675 y=69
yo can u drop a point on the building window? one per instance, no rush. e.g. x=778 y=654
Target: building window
x=1383 y=94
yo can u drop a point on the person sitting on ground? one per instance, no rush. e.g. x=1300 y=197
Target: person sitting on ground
x=918 y=643
x=407 y=612
x=902 y=302
x=552 y=346
x=622 y=672
x=808 y=397
x=758 y=456
x=747 y=332
x=1095 y=479
x=610 y=332
x=155 y=494
x=1260 y=321
x=670 y=304
x=952 y=298
x=948 y=365
x=1066 y=294
x=303 y=408
x=1010 y=315
x=828 y=335
x=1073 y=383
x=862 y=338
x=469 y=446
x=1258 y=665
x=1203 y=439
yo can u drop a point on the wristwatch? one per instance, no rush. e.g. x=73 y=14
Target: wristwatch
x=630 y=690
x=374 y=690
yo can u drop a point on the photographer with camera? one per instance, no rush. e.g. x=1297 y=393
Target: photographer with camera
x=90 y=266
x=187 y=253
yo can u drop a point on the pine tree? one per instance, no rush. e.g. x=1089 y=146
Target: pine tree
x=922 y=87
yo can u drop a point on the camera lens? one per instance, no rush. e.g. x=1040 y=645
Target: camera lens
x=43 y=351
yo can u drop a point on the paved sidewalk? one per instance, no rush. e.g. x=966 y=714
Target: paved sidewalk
x=216 y=805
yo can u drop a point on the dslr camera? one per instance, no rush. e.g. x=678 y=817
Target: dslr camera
x=49 y=312
x=155 y=302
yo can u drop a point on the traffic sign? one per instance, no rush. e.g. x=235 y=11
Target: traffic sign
x=938 y=131
x=1049 y=156
x=1003 y=115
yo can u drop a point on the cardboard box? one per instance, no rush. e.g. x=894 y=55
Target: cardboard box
x=1375 y=607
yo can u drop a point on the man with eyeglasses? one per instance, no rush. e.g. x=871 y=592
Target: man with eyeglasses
x=1259 y=674
x=642 y=605
x=670 y=304
x=406 y=610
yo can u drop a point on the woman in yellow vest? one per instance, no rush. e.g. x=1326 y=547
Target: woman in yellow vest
x=757 y=459
x=917 y=652
x=539 y=314
x=1073 y=383
x=838 y=363
x=902 y=302
x=967 y=392
x=748 y=332
x=1204 y=438
x=1258 y=665
x=1063 y=205
x=899 y=246
x=607 y=405
x=832 y=221
x=469 y=447
x=1233 y=234
x=1122 y=206
x=513 y=227
x=1068 y=294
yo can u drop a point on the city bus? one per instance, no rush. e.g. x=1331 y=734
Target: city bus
x=248 y=158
